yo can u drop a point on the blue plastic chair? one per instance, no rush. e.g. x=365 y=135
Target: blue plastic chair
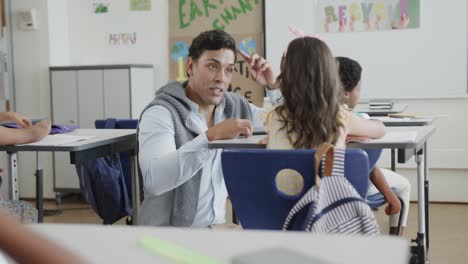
x=250 y=180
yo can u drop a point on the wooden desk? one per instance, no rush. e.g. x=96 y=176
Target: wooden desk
x=105 y=142
x=118 y=244
x=409 y=141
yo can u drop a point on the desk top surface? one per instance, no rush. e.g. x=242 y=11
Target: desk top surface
x=391 y=121
x=101 y=137
x=395 y=137
x=396 y=108
x=118 y=244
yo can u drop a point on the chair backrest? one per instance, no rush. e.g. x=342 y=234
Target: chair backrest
x=250 y=176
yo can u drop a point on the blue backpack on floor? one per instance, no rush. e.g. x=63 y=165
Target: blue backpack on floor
x=103 y=185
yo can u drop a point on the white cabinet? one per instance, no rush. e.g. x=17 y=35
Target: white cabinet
x=82 y=94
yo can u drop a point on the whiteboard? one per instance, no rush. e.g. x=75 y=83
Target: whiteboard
x=427 y=62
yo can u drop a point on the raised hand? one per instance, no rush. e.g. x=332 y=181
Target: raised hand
x=260 y=69
x=368 y=24
x=326 y=26
x=404 y=21
x=351 y=23
x=342 y=27
x=377 y=22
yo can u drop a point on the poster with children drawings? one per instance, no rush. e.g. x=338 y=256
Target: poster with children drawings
x=100 y=6
x=242 y=19
x=140 y=5
x=366 y=15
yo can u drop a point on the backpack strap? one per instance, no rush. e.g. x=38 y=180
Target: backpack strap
x=328 y=150
x=308 y=197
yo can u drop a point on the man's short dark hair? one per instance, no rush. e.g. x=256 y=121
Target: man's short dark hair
x=211 y=40
x=350 y=73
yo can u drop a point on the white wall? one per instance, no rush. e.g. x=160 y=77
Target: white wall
x=448 y=156
x=31 y=74
x=447 y=149
x=69 y=34
x=59 y=37
x=89 y=34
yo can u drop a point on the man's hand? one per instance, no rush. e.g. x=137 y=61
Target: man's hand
x=19 y=119
x=260 y=69
x=229 y=129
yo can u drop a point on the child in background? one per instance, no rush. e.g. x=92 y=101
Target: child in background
x=382 y=180
x=27 y=133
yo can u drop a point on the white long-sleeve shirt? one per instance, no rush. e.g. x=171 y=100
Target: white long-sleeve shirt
x=160 y=160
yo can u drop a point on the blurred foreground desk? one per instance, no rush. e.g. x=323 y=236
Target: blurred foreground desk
x=119 y=244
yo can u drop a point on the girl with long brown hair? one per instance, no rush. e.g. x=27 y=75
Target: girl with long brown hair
x=312 y=111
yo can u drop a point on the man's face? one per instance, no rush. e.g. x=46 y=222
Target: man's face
x=210 y=75
x=352 y=98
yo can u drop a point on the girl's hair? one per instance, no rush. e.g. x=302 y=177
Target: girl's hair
x=312 y=94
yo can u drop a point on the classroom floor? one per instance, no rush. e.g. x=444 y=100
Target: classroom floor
x=448 y=225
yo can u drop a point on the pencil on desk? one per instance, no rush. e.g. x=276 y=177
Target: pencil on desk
x=174 y=252
x=402 y=116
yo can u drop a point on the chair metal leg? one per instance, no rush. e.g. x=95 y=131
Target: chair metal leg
x=401 y=216
x=235 y=220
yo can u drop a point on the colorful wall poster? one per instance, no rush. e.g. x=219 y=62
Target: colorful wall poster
x=366 y=15
x=100 y=6
x=123 y=39
x=140 y=5
x=242 y=19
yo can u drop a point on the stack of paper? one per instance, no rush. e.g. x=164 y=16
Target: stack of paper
x=58 y=139
x=380 y=104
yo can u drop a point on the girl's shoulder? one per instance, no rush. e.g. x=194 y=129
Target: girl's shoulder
x=344 y=113
x=271 y=115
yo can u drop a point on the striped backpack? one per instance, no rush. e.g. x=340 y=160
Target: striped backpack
x=334 y=206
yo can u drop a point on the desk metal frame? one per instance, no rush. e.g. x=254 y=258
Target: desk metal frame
x=107 y=142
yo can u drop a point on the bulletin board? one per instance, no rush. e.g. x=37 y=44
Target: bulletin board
x=242 y=19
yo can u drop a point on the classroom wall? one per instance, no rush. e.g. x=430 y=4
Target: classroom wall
x=59 y=37
x=448 y=149
x=89 y=35
x=448 y=157
x=32 y=92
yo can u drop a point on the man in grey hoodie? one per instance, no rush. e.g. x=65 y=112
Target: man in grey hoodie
x=183 y=180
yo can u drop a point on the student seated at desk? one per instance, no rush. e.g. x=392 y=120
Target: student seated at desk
x=312 y=111
x=382 y=180
x=26 y=134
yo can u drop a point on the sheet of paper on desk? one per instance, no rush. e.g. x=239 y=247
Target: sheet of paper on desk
x=398 y=135
x=59 y=139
